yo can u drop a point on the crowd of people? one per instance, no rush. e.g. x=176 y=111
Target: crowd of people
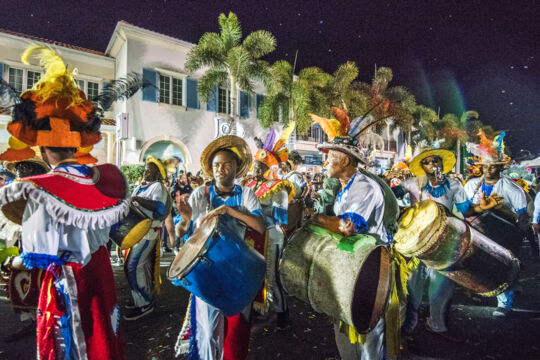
x=61 y=216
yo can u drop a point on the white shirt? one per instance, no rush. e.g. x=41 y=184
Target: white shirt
x=363 y=197
x=42 y=235
x=154 y=191
x=513 y=195
x=449 y=193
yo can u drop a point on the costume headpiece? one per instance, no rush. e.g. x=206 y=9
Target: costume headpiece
x=448 y=160
x=353 y=138
x=489 y=151
x=159 y=165
x=228 y=142
x=55 y=112
x=273 y=153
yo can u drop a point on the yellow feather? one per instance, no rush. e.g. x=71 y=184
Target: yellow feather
x=325 y=125
x=287 y=131
x=57 y=81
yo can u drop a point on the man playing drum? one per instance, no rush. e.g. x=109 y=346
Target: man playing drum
x=431 y=182
x=274 y=196
x=212 y=335
x=359 y=208
x=506 y=192
x=142 y=261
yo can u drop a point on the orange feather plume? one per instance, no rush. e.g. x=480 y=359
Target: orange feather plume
x=344 y=121
x=331 y=127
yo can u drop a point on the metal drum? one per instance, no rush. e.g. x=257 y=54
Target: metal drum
x=131 y=229
x=500 y=225
x=454 y=248
x=351 y=286
x=218 y=267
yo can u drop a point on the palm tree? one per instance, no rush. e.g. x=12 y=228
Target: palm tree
x=424 y=127
x=343 y=91
x=292 y=98
x=229 y=60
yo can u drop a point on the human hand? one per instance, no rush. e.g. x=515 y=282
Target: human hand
x=487 y=203
x=182 y=204
x=222 y=210
x=346 y=227
x=535 y=229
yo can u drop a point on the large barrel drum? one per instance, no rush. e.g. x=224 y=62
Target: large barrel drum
x=454 y=248
x=351 y=286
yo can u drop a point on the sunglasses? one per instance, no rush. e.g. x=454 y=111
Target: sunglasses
x=432 y=161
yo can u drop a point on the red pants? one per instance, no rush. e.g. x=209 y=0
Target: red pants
x=83 y=315
x=236 y=343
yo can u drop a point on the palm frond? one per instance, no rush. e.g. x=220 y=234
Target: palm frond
x=259 y=43
x=210 y=51
x=212 y=77
x=119 y=90
x=8 y=95
x=231 y=31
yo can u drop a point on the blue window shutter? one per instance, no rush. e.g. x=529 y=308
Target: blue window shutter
x=212 y=104
x=258 y=102
x=191 y=93
x=104 y=88
x=150 y=93
x=244 y=105
x=2 y=67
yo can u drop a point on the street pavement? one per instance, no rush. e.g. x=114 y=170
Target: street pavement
x=479 y=335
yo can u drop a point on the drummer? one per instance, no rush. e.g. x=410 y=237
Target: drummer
x=359 y=208
x=431 y=182
x=274 y=197
x=227 y=158
x=142 y=261
x=11 y=233
x=493 y=185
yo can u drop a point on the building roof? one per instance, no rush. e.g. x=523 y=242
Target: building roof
x=129 y=25
x=111 y=122
x=57 y=43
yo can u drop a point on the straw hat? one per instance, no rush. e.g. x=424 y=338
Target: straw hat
x=36 y=160
x=152 y=160
x=231 y=142
x=448 y=160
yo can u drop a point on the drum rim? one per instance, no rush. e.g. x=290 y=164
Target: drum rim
x=203 y=250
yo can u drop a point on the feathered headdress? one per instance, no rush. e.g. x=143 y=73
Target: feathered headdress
x=354 y=138
x=272 y=152
x=489 y=151
x=55 y=112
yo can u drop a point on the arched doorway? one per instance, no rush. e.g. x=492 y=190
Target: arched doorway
x=166 y=148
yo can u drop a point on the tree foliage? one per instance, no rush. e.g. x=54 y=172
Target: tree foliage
x=231 y=62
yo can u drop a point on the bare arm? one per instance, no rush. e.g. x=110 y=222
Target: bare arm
x=251 y=220
x=334 y=224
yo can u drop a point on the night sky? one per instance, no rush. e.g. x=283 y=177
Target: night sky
x=453 y=55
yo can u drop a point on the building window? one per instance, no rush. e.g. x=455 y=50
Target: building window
x=224 y=101
x=164 y=89
x=171 y=90
x=16 y=78
x=32 y=78
x=177 y=91
x=92 y=91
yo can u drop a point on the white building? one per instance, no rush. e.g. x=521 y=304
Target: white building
x=94 y=70
x=164 y=120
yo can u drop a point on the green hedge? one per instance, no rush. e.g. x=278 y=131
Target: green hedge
x=132 y=173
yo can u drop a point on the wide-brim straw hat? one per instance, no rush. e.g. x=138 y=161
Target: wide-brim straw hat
x=36 y=160
x=159 y=165
x=347 y=145
x=448 y=160
x=231 y=142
